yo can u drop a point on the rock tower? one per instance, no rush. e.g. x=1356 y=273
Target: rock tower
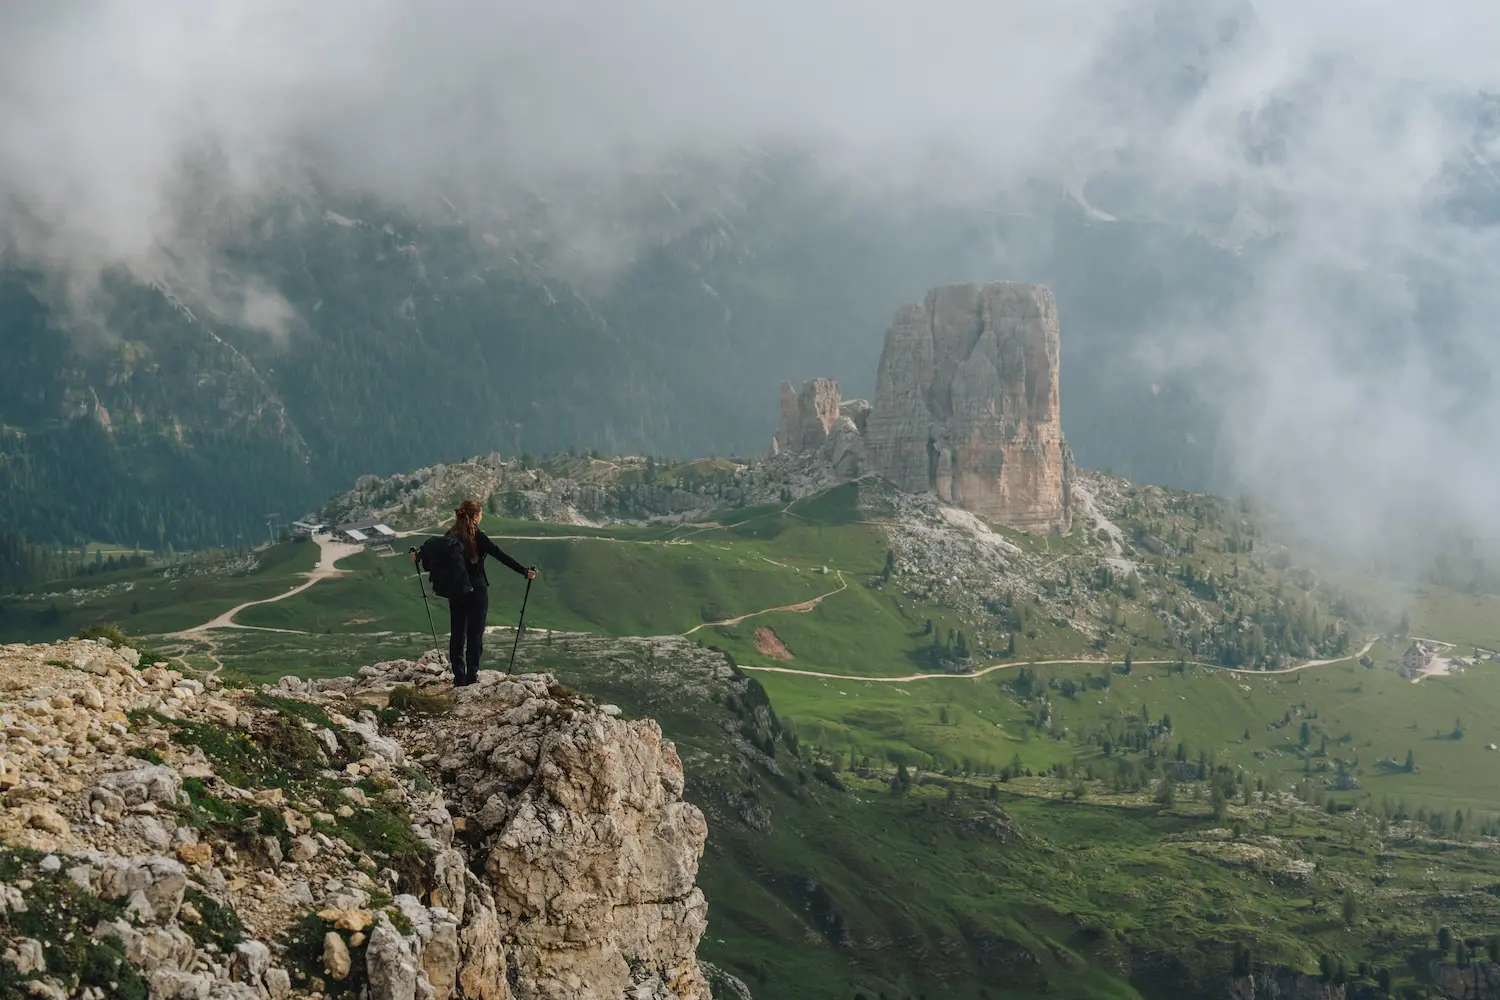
x=966 y=405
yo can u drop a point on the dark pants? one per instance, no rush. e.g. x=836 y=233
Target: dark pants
x=466 y=633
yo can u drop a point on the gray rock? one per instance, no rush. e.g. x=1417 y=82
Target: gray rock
x=304 y=848
x=46 y=989
x=149 y=783
x=389 y=963
x=249 y=962
x=440 y=956
x=139 y=907
x=11 y=900
x=376 y=745
x=278 y=983
x=149 y=829
x=724 y=985
x=173 y=984
x=150 y=948
x=162 y=881
x=27 y=956
x=103 y=802
x=450 y=870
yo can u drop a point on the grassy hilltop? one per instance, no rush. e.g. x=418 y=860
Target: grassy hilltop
x=1054 y=820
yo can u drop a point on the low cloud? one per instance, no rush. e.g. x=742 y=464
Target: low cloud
x=1342 y=147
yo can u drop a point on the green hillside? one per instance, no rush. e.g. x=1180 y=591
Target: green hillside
x=1023 y=829
x=154 y=599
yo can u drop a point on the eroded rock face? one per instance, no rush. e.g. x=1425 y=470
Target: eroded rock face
x=575 y=872
x=966 y=404
x=817 y=420
x=807 y=416
x=550 y=853
x=966 y=407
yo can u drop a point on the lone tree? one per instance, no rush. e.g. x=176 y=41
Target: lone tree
x=1350 y=909
x=1219 y=802
x=1305 y=736
x=1411 y=762
x=1445 y=939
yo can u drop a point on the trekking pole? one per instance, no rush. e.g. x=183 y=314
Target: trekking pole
x=520 y=624
x=423 y=588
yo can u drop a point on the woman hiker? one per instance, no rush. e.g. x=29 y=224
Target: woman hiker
x=467 y=613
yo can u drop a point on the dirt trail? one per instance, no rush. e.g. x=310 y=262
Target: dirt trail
x=592 y=538
x=800 y=608
x=329 y=553
x=1043 y=663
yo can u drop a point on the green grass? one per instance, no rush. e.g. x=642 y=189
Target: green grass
x=63 y=917
x=1467 y=619
x=626 y=586
x=152 y=605
x=825 y=893
x=265 y=657
x=1365 y=714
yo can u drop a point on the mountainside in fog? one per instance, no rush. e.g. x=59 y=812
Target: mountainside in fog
x=654 y=306
x=414 y=338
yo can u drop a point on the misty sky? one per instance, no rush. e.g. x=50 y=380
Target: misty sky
x=1337 y=127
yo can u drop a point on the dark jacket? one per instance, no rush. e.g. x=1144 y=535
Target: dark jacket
x=486 y=547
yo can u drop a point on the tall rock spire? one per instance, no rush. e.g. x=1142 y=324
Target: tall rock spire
x=966 y=404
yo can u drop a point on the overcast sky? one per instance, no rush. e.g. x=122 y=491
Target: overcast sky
x=1333 y=120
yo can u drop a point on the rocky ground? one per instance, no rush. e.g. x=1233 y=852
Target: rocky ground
x=597 y=492
x=374 y=836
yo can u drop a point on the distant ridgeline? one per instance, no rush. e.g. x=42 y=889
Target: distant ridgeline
x=413 y=338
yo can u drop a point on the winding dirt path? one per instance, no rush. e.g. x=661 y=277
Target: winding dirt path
x=329 y=553
x=1043 y=663
x=802 y=607
x=593 y=538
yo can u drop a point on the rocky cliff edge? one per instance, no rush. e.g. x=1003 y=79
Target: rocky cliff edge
x=169 y=838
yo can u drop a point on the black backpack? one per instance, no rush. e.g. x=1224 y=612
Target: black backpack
x=447 y=567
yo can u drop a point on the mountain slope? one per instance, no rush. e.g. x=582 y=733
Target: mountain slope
x=411 y=333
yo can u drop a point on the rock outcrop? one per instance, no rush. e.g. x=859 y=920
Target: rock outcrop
x=966 y=404
x=515 y=842
x=807 y=416
x=966 y=407
x=817 y=420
